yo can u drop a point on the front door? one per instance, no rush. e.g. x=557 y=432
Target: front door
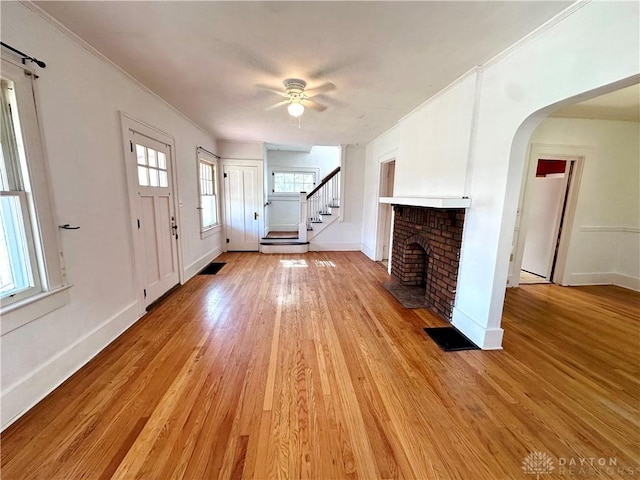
x=157 y=229
x=242 y=207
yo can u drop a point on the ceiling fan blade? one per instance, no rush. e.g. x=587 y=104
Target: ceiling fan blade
x=313 y=105
x=327 y=87
x=276 y=105
x=277 y=91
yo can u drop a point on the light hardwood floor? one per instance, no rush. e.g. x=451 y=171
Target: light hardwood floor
x=284 y=366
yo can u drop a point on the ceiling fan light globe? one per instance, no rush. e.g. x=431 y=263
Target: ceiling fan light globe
x=295 y=109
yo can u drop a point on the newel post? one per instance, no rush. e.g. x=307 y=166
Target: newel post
x=302 y=220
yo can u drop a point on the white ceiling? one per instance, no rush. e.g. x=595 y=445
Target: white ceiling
x=208 y=58
x=623 y=104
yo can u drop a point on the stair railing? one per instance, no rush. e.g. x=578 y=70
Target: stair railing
x=323 y=197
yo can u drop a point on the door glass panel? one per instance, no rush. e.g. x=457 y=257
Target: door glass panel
x=153 y=177
x=164 y=178
x=153 y=162
x=143 y=177
x=162 y=160
x=140 y=154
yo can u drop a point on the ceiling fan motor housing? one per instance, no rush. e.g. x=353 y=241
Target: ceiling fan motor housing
x=294 y=87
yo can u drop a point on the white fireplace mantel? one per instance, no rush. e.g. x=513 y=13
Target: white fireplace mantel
x=432 y=202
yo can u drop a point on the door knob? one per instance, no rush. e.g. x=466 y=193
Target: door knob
x=255 y=215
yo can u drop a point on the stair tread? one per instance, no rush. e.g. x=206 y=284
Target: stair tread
x=284 y=243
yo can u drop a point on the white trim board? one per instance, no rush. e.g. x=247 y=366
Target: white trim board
x=486 y=338
x=367 y=251
x=334 y=247
x=604 y=278
x=612 y=229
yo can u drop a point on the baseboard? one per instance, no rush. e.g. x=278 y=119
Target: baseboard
x=367 y=251
x=202 y=262
x=24 y=394
x=604 y=278
x=485 y=338
x=592 y=278
x=626 y=281
x=334 y=247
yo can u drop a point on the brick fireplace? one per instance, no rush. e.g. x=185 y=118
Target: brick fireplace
x=426 y=253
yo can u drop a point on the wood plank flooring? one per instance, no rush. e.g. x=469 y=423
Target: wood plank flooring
x=304 y=366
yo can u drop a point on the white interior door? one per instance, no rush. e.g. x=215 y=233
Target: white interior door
x=242 y=206
x=543 y=214
x=157 y=230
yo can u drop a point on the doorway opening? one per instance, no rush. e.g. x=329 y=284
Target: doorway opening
x=385 y=213
x=545 y=214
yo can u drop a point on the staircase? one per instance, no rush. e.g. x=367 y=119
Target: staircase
x=318 y=210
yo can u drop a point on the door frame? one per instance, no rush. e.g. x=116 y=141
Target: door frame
x=129 y=123
x=385 y=210
x=576 y=155
x=383 y=159
x=234 y=162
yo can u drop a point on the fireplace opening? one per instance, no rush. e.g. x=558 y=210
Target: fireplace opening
x=415 y=271
x=410 y=275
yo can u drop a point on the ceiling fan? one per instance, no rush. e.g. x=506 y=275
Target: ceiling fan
x=297 y=98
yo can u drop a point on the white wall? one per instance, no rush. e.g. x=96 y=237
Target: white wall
x=80 y=96
x=240 y=150
x=345 y=234
x=434 y=144
x=605 y=239
x=591 y=49
x=284 y=212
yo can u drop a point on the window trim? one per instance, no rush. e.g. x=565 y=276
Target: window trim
x=290 y=169
x=46 y=241
x=204 y=157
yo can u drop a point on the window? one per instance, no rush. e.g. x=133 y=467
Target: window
x=293 y=182
x=29 y=262
x=18 y=267
x=208 y=182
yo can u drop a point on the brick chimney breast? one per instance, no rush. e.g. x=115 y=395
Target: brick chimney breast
x=426 y=252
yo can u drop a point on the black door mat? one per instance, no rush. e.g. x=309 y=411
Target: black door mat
x=212 y=268
x=450 y=340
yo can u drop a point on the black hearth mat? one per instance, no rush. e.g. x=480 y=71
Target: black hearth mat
x=450 y=340
x=212 y=268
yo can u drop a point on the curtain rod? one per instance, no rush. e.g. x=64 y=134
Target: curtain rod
x=210 y=153
x=24 y=56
